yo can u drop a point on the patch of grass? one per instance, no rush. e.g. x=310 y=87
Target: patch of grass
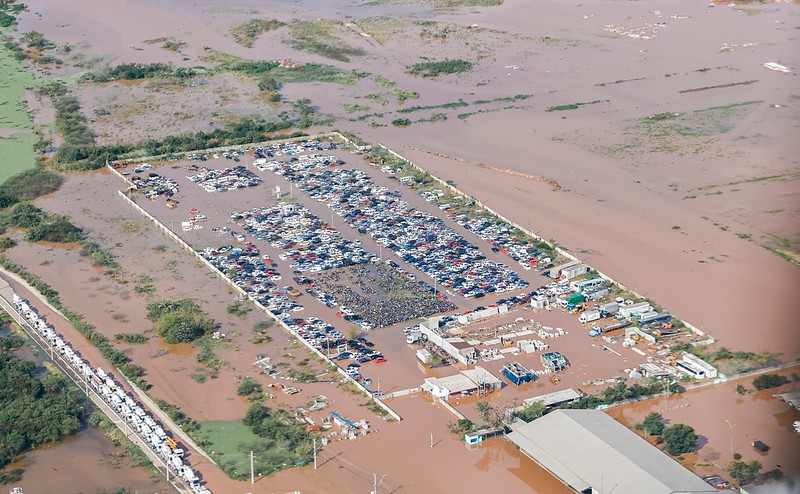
x=132 y=338
x=454 y=104
x=574 y=106
x=318 y=37
x=381 y=81
x=403 y=95
x=401 y=122
x=248 y=32
x=435 y=69
x=353 y=108
x=18 y=149
x=173 y=45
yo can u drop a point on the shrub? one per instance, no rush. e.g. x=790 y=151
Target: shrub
x=435 y=69
x=680 y=439
x=59 y=230
x=31 y=184
x=743 y=472
x=248 y=387
x=768 y=381
x=181 y=321
x=653 y=424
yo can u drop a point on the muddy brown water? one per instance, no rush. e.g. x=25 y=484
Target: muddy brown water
x=85 y=462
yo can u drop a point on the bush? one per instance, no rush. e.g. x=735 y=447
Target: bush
x=401 y=122
x=248 y=387
x=742 y=472
x=653 y=424
x=23 y=215
x=134 y=338
x=30 y=184
x=34 y=411
x=59 y=230
x=768 y=381
x=680 y=439
x=435 y=69
x=181 y=321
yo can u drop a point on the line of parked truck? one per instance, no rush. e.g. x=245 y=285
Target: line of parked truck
x=137 y=419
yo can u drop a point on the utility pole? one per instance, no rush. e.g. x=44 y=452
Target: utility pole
x=730 y=428
x=252 y=476
x=431 y=440
x=315 y=453
x=376 y=482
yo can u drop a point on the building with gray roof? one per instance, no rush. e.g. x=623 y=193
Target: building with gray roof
x=594 y=454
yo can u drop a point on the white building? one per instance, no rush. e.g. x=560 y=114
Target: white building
x=696 y=367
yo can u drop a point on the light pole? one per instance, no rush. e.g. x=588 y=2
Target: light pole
x=730 y=428
x=376 y=482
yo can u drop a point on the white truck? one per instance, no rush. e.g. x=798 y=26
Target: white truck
x=413 y=336
x=589 y=315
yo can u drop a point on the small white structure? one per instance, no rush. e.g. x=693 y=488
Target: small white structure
x=638 y=308
x=696 y=367
x=465 y=382
x=573 y=271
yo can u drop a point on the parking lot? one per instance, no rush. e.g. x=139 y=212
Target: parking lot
x=367 y=243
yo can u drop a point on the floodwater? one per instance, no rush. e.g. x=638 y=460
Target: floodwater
x=85 y=462
x=727 y=423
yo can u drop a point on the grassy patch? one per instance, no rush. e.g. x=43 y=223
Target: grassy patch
x=318 y=37
x=454 y=104
x=132 y=338
x=574 y=106
x=381 y=81
x=353 y=108
x=248 y=32
x=435 y=69
x=402 y=94
x=17 y=150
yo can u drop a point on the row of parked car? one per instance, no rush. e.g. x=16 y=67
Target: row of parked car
x=136 y=417
x=419 y=237
x=499 y=236
x=216 y=180
x=309 y=243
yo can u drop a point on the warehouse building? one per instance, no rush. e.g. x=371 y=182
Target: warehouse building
x=592 y=453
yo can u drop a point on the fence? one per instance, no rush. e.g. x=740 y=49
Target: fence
x=558 y=249
x=272 y=316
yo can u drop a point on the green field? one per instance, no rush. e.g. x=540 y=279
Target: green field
x=16 y=152
x=229 y=446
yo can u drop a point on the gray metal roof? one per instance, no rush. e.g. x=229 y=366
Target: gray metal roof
x=587 y=448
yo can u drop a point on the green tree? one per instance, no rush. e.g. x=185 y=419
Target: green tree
x=768 y=381
x=743 y=472
x=532 y=412
x=679 y=439
x=653 y=424
x=484 y=410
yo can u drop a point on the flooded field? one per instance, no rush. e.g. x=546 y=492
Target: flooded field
x=86 y=462
x=670 y=141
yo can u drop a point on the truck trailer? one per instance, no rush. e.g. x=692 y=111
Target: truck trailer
x=589 y=315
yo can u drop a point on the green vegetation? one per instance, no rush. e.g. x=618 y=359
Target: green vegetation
x=653 y=424
x=246 y=33
x=768 y=381
x=248 y=387
x=137 y=71
x=238 y=308
x=133 y=338
x=532 y=412
x=621 y=392
x=8 y=10
x=285 y=442
x=679 y=439
x=401 y=122
x=403 y=95
x=41 y=225
x=574 y=106
x=723 y=354
x=30 y=184
x=435 y=69
x=18 y=149
x=381 y=81
x=175 y=414
x=33 y=410
x=317 y=37
x=353 y=108
x=454 y=104
x=101 y=258
x=180 y=321
x=742 y=472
